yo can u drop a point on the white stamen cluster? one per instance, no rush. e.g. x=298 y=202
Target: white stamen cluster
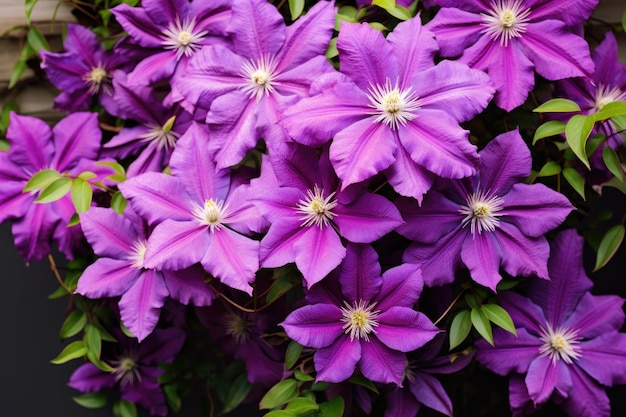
x=359 y=319
x=507 y=20
x=481 y=212
x=138 y=254
x=316 y=209
x=212 y=214
x=126 y=370
x=560 y=344
x=260 y=77
x=162 y=138
x=606 y=95
x=182 y=37
x=98 y=80
x=238 y=327
x=392 y=106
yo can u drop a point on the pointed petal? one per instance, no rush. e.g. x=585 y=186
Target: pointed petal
x=572 y=12
x=609 y=70
x=137 y=102
x=31 y=144
x=378 y=363
x=257 y=28
x=154 y=68
x=366 y=57
x=544 y=376
x=141 y=305
x=408 y=178
x=367 y=219
x=162 y=12
x=88 y=378
x=318 y=251
x=414 y=47
x=586 y=398
x=603 y=358
x=596 y=315
x=176 y=245
x=32 y=233
x=504 y=161
x=359 y=273
x=520 y=401
x=233 y=259
x=401 y=403
x=431 y=393
x=187 y=286
x=439 y=261
x=511 y=353
x=482 y=255
x=337 y=362
x=436 y=142
x=402 y=286
x=555 y=51
x=511 y=73
x=362 y=150
x=107 y=278
x=108 y=233
x=403 y=329
x=315 y=326
x=138 y=25
x=455 y=29
x=522 y=255
x=162 y=346
x=524 y=312
x=277 y=246
x=436 y=217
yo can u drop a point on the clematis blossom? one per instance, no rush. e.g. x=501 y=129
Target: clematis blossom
x=244 y=90
x=309 y=214
x=392 y=110
x=568 y=345
x=485 y=222
x=359 y=318
x=200 y=214
x=509 y=38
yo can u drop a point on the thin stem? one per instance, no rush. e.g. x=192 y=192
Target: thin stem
x=456 y=299
x=53 y=267
x=380 y=186
x=234 y=304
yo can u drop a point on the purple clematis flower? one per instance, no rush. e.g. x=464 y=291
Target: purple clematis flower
x=201 y=215
x=245 y=89
x=490 y=220
x=309 y=214
x=508 y=38
x=121 y=241
x=173 y=31
x=69 y=148
x=356 y=317
x=158 y=130
x=392 y=110
x=84 y=71
x=568 y=346
x=136 y=369
x=420 y=386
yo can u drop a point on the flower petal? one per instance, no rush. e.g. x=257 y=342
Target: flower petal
x=481 y=253
x=544 y=376
x=107 y=278
x=359 y=273
x=455 y=30
x=337 y=362
x=431 y=393
x=403 y=329
x=511 y=353
x=414 y=47
x=177 y=244
x=586 y=398
x=603 y=358
x=257 y=28
x=408 y=178
x=522 y=255
x=315 y=326
x=402 y=286
x=367 y=218
x=318 y=251
x=108 y=233
x=378 y=363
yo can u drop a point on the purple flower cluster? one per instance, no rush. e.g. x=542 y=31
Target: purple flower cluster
x=294 y=203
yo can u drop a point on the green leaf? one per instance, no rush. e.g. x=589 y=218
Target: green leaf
x=301 y=376
x=558 y=105
x=114 y=165
x=93 y=343
x=237 y=392
x=320 y=386
x=172 y=397
x=302 y=406
x=91 y=400
x=331 y=50
x=118 y=202
x=293 y=354
x=280 y=413
x=73 y=324
x=594 y=143
x=36 y=40
x=385 y=4
x=16 y=74
x=29 y=4
x=575 y=180
x=482 y=324
x=55 y=191
x=4 y=145
x=378 y=26
x=333 y=408
x=400 y=12
x=609 y=245
x=41 y=180
x=280 y=286
x=123 y=408
x=551 y=128
x=81 y=195
x=74 y=220
x=364 y=382
x=460 y=328
x=279 y=394
x=74 y=350
x=87 y=175
x=549 y=169
x=499 y=316
x=616 y=108
x=296 y=7
x=624 y=20
x=577 y=131
x=611 y=160
x=5 y=117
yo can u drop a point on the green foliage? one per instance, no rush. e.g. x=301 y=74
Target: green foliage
x=296 y=7
x=81 y=195
x=610 y=243
x=558 y=105
x=612 y=162
x=575 y=180
x=460 y=328
x=237 y=392
x=482 y=324
x=279 y=394
x=294 y=349
x=56 y=190
x=41 y=180
x=577 y=132
x=123 y=408
x=549 y=169
x=498 y=316
x=333 y=408
x=550 y=128
x=91 y=400
x=73 y=324
x=74 y=350
x=29 y=6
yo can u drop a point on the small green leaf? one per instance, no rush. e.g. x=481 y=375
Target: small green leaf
x=577 y=132
x=611 y=160
x=460 y=328
x=123 y=408
x=118 y=202
x=331 y=50
x=609 y=245
x=549 y=169
x=81 y=195
x=301 y=376
x=616 y=108
x=293 y=354
x=91 y=400
x=302 y=406
x=237 y=392
x=333 y=408
x=575 y=180
x=36 y=40
x=400 y=12
x=114 y=165
x=320 y=386
x=16 y=74
x=4 y=145
x=482 y=324
x=172 y=397
x=5 y=117
x=280 y=413
x=296 y=7
x=558 y=105
x=74 y=350
x=74 y=220
x=41 y=180
x=551 y=128
x=499 y=316
x=93 y=342
x=87 y=175
x=55 y=191
x=364 y=382
x=30 y=4
x=385 y=4
x=279 y=394
x=594 y=143
x=73 y=324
